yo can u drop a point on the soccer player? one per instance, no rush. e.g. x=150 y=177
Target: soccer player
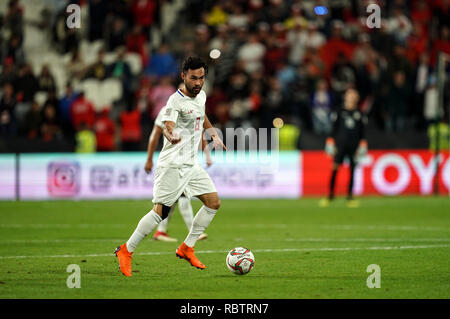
x=184 y=203
x=177 y=170
x=347 y=140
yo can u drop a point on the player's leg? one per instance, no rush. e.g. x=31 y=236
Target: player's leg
x=167 y=189
x=203 y=218
x=201 y=186
x=161 y=230
x=145 y=226
x=186 y=211
x=351 y=202
x=332 y=184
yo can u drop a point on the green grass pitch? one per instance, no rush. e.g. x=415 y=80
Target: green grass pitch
x=301 y=250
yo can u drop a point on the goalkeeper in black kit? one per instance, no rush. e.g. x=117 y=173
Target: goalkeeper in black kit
x=347 y=140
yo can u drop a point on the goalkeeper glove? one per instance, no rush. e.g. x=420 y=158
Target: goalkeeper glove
x=362 y=150
x=330 y=148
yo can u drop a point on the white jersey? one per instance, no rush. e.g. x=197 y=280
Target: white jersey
x=188 y=114
x=158 y=120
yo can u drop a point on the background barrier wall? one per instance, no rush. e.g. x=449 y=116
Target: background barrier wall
x=236 y=175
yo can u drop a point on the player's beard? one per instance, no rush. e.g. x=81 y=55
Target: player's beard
x=193 y=90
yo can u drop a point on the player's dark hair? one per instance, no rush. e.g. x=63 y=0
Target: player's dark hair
x=194 y=63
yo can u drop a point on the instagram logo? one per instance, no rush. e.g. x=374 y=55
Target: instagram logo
x=63 y=178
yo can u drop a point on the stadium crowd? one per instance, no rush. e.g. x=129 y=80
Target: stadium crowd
x=290 y=59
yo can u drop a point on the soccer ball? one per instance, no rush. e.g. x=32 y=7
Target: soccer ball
x=240 y=260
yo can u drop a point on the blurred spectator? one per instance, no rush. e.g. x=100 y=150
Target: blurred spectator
x=399 y=25
x=297 y=37
x=142 y=97
x=97 y=16
x=82 y=111
x=144 y=14
x=9 y=72
x=98 y=70
x=217 y=16
x=251 y=54
x=15 y=51
x=32 y=121
x=336 y=48
x=213 y=101
x=46 y=81
x=14 y=19
x=130 y=125
x=116 y=34
x=162 y=63
x=441 y=128
x=65 y=105
x=105 y=130
x=137 y=43
x=315 y=39
x=26 y=84
x=343 y=74
x=160 y=94
x=289 y=137
x=85 y=139
x=432 y=113
x=121 y=70
x=8 y=121
x=397 y=103
x=442 y=44
x=237 y=18
x=274 y=56
x=321 y=105
x=420 y=82
x=76 y=66
x=50 y=127
x=417 y=43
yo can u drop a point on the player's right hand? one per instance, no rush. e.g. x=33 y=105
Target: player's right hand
x=148 y=166
x=174 y=139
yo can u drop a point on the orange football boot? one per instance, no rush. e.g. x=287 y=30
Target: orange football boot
x=186 y=252
x=124 y=257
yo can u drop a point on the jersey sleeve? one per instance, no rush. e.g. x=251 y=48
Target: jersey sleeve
x=158 y=121
x=171 y=110
x=362 y=128
x=335 y=117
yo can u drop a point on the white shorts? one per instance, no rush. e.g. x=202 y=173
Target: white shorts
x=170 y=183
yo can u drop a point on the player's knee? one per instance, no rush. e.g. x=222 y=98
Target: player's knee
x=214 y=204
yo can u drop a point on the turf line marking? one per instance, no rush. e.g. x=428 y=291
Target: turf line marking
x=382 y=227
x=311 y=239
x=254 y=250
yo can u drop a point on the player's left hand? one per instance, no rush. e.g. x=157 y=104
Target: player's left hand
x=148 y=166
x=218 y=144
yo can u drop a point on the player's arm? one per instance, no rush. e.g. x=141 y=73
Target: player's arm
x=205 y=149
x=363 y=146
x=168 y=132
x=217 y=142
x=152 y=144
x=330 y=147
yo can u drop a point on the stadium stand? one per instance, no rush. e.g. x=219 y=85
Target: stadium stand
x=278 y=59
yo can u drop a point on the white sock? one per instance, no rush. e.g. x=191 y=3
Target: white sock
x=184 y=204
x=163 y=225
x=202 y=220
x=144 y=227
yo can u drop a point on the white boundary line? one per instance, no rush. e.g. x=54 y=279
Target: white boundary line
x=254 y=250
x=268 y=225
x=306 y=240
